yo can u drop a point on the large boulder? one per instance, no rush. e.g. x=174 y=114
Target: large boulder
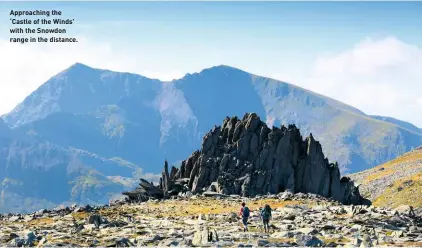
x=204 y=235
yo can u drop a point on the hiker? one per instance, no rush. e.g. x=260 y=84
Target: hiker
x=244 y=213
x=266 y=216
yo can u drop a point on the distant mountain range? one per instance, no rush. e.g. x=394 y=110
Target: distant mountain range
x=36 y=174
x=117 y=125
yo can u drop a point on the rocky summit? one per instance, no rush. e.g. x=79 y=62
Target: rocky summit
x=245 y=157
x=299 y=220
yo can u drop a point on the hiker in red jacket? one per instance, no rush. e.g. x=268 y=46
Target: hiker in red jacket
x=244 y=213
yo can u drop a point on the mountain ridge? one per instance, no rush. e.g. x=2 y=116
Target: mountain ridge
x=403 y=124
x=79 y=66
x=276 y=100
x=223 y=66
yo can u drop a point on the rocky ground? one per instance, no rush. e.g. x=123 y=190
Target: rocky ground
x=394 y=183
x=298 y=220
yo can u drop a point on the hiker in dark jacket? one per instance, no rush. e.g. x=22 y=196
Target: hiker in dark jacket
x=266 y=217
x=244 y=213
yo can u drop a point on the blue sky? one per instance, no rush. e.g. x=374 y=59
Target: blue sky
x=367 y=43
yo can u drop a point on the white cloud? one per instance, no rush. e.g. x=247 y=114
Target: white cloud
x=368 y=57
x=381 y=77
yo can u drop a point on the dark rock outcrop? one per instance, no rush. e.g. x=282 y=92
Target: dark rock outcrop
x=144 y=192
x=245 y=157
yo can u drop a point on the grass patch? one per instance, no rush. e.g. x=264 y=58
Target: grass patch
x=378 y=175
x=408 y=195
x=41 y=221
x=280 y=240
x=80 y=215
x=408 y=244
x=206 y=206
x=342 y=240
x=412 y=158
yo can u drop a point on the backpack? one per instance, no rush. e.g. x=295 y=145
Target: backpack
x=266 y=212
x=245 y=212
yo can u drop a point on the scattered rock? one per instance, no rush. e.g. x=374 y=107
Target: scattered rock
x=232 y=217
x=97 y=220
x=283 y=234
x=307 y=231
x=204 y=236
x=123 y=242
x=118 y=223
x=404 y=210
x=261 y=242
x=357 y=241
x=17 y=242
x=308 y=240
x=308 y=220
x=366 y=241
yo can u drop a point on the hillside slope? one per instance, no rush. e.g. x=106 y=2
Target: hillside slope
x=394 y=183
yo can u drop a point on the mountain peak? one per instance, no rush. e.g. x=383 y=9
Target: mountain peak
x=78 y=67
x=224 y=68
x=221 y=69
x=75 y=69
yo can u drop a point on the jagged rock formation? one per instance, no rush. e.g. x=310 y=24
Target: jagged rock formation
x=144 y=192
x=245 y=157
